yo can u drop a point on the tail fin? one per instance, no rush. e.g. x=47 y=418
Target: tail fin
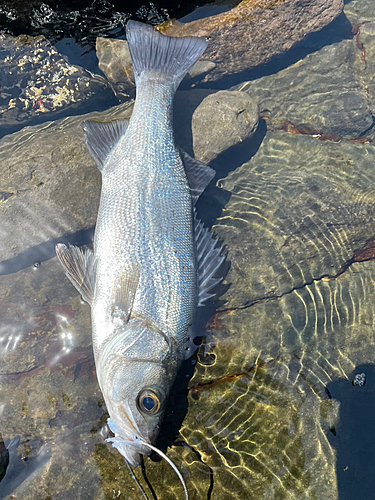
x=153 y=52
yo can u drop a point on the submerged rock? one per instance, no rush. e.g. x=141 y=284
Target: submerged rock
x=365 y=62
x=50 y=186
x=37 y=82
x=115 y=62
x=253 y=32
x=360 y=11
x=48 y=389
x=222 y=120
x=299 y=313
x=308 y=207
x=323 y=92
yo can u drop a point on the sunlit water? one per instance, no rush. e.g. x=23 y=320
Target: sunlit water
x=279 y=408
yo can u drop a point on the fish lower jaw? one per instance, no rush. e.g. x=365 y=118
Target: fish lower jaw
x=129 y=449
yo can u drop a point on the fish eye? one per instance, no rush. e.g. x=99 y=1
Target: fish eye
x=148 y=402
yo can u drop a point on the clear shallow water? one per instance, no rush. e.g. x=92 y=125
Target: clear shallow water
x=272 y=412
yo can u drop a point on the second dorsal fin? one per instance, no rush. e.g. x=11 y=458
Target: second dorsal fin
x=102 y=137
x=199 y=175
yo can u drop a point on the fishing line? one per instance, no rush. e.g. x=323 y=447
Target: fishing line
x=199 y=456
x=163 y=455
x=136 y=480
x=144 y=474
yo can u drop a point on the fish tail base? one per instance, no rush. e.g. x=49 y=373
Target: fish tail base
x=152 y=52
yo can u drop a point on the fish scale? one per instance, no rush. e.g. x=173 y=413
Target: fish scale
x=153 y=262
x=145 y=215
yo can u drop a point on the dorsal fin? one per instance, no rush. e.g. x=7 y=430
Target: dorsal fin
x=79 y=265
x=209 y=258
x=123 y=294
x=199 y=175
x=102 y=137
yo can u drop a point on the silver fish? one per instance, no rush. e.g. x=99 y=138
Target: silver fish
x=153 y=262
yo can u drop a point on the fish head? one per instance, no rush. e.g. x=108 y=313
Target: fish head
x=136 y=391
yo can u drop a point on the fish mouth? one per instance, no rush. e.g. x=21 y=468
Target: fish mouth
x=128 y=449
x=133 y=447
x=128 y=443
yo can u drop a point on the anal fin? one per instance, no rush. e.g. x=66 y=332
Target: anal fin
x=79 y=265
x=210 y=258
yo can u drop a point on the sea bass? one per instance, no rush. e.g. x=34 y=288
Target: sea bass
x=153 y=262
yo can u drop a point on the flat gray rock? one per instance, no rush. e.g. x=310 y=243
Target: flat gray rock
x=222 y=120
x=365 y=63
x=325 y=92
x=50 y=185
x=359 y=11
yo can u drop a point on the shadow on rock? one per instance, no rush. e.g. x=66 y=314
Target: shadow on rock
x=339 y=29
x=18 y=470
x=44 y=251
x=214 y=198
x=354 y=437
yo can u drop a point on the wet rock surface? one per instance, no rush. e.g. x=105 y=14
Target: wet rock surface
x=309 y=213
x=268 y=27
x=50 y=185
x=359 y=11
x=114 y=61
x=48 y=388
x=296 y=312
x=299 y=313
x=38 y=83
x=233 y=118
x=324 y=91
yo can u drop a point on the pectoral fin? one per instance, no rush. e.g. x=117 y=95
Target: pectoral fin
x=124 y=293
x=79 y=265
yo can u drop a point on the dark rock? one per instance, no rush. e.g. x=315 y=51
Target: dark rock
x=37 y=82
x=252 y=33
